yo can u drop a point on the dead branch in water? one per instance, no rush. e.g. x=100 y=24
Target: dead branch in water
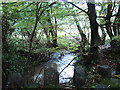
x=68 y=64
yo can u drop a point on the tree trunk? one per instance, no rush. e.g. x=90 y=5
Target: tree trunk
x=116 y=23
x=103 y=36
x=108 y=23
x=52 y=31
x=55 y=31
x=46 y=31
x=84 y=39
x=95 y=38
x=5 y=27
x=32 y=35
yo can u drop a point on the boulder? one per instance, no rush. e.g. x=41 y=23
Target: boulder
x=105 y=71
x=101 y=87
x=15 y=80
x=79 y=77
x=51 y=75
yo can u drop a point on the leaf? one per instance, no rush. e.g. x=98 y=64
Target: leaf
x=92 y=86
x=118 y=76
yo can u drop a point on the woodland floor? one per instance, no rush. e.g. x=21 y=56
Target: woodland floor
x=106 y=57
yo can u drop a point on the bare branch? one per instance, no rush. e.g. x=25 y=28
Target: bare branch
x=39 y=7
x=113 y=7
x=68 y=64
x=78 y=7
x=26 y=7
x=101 y=17
x=46 y=8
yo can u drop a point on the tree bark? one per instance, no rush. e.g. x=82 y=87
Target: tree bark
x=52 y=30
x=95 y=38
x=37 y=19
x=116 y=23
x=108 y=23
x=36 y=22
x=5 y=27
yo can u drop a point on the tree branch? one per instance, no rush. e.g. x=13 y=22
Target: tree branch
x=68 y=64
x=101 y=17
x=39 y=7
x=26 y=7
x=37 y=19
x=46 y=8
x=78 y=7
x=33 y=30
x=113 y=7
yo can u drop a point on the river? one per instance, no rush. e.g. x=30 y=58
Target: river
x=62 y=59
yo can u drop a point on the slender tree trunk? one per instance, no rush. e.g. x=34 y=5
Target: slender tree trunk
x=52 y=31
x=108 y=23
x=103 y=36
x=116 y=23
x=31 y=39
x=55 y=31
x=84 y=39
x=5 y=27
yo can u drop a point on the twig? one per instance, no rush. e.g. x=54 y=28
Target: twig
x=25 y=7
x=78 y=7
x=38 y=74
x=68 y=64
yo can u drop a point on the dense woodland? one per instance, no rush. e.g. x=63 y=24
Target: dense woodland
x=32 y=31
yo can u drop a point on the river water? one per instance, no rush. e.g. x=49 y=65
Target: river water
x=62 y=59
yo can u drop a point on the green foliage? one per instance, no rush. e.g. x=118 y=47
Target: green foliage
x=20 y=18
x=117 y=38
x=118 y=76
x=78 y=60
x=110 y=83
x=15 y=61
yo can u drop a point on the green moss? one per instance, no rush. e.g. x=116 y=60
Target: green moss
x=110 y=83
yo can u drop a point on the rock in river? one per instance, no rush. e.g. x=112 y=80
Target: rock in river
x=51 y=75
x=79 y=77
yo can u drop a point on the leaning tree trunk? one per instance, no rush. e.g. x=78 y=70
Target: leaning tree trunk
x=84 y=39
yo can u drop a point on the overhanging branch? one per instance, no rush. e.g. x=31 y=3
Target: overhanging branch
x=46 y=8
x=78 y=7
x=26 y=7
